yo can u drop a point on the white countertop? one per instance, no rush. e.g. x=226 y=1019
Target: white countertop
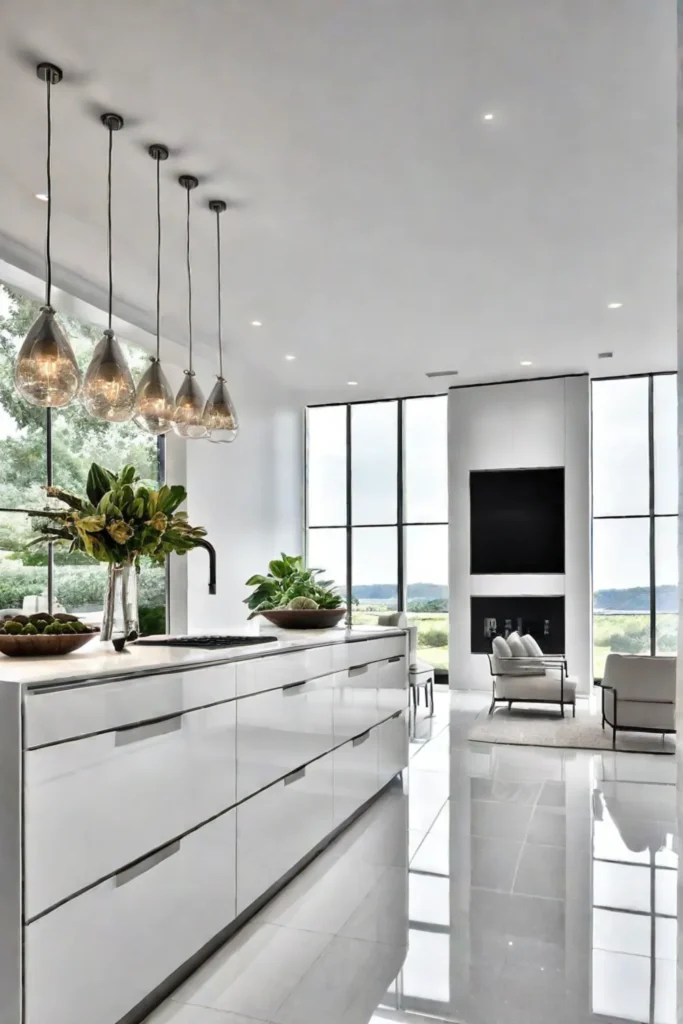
x=98 y=660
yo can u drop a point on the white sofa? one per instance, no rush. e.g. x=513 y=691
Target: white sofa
x=523 y=674
x=639 y=694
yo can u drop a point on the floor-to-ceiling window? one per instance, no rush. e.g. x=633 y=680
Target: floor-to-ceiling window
x=635 y=521
x=37 y=446
x=377 y=510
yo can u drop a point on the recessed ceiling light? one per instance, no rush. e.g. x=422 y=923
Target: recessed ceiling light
x=352 y=383
x=42 y=196
x=487 y=117
x=289 y=358
x=614 y=305
x=256 y=323
x=526 y=362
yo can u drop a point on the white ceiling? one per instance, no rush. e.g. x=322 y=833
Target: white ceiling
x=383 y=229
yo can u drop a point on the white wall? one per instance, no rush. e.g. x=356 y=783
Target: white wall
x=248 y=496
x=520 y=425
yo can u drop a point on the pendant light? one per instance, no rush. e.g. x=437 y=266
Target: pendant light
x=188 y=419
x=46 y=372
x=154 y=406
x=108 y=388
x=219 y=413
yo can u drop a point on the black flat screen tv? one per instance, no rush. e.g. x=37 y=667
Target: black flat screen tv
x=517 y=521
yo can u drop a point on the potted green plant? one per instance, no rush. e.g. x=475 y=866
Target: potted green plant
x=119 y=521
x=294 y=597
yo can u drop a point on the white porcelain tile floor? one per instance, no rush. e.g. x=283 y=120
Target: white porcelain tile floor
x=533 y=885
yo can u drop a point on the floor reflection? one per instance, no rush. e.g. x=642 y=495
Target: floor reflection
x=506 y=885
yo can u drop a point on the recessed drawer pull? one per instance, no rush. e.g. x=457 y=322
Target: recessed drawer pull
x=136 y=733
x=357 y=740
x=359 y=670
x=398 y=657
x=293 y=686
x=295 y=776
x=146 y=864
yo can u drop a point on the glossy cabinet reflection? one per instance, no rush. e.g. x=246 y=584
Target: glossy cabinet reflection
x=157 y=809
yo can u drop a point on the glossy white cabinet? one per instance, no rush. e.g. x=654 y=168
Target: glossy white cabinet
x=93 y=959
x=392 y=685
x=69 y=711
x=280 y=825
x=361 y=652
x=393 y=746
x=355 y=701
x=280 y=730
x=94 y=804
x=356 y=774
x=259 y=674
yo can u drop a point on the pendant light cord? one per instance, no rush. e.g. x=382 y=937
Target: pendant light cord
x=220 y=318
x=109 y=260
x=189 y=284
x=48 y=253
x=158 y=258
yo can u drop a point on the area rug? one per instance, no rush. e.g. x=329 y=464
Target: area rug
x=531 y=728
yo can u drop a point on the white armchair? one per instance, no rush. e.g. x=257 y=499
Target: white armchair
x=420 y=673
x=639 y=694
x=523 y=674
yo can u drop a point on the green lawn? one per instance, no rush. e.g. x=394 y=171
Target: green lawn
x=432 y=630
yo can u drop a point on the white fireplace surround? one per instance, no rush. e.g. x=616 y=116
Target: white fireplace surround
x=521 y=425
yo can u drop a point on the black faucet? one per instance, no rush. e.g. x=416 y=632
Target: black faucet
x=204 y=543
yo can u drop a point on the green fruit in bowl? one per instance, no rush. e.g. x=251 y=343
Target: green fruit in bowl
x=29 y=630
x=13 y=627
x=303 y=604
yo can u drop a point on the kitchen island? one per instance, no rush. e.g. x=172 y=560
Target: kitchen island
x=152 y=801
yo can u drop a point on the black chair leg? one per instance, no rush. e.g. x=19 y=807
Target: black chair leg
x=574 y=710
x=431 y=696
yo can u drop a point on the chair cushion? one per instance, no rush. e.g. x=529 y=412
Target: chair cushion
x=501 y=648
x=531 y=646
x=516 y=646
x=534 y=688
x=640 y=714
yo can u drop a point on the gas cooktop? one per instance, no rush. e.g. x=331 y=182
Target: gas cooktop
x=205 y=641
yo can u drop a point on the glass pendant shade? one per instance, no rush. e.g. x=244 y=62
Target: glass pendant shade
x=188 y=418
x=220 y=415
x=46 y=372
x=154 y=406
x=108 y=388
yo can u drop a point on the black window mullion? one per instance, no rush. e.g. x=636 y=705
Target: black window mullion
x=400 y=552
x=349 y=551
x=651 y=474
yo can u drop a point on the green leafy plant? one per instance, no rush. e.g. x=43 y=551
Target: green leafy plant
x=287 y=582
x=119 y=520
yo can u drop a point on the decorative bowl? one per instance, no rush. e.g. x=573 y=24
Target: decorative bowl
x=305 y=618
x=39 y=646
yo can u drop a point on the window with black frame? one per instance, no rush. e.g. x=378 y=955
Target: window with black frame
x=635 y=517
x=377 y=511
x=34 y=443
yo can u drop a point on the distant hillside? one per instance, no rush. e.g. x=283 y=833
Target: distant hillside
x=385 y=591
x=636 y=599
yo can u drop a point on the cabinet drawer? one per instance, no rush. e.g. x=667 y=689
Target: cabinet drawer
x=80 y=710
x=280 y=730
x=356 y=774
x=392 y=685
x=279 y=826
x=393 y=746
x=96 y=803
x=355 y=701
x=361 y=652
x=259 y=674
x=95 y=957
